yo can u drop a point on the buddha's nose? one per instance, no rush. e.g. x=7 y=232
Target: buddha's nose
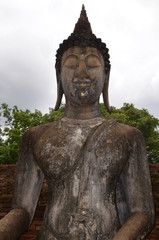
x=82 y=70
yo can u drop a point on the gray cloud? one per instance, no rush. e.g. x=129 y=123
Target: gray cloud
x=30 y=32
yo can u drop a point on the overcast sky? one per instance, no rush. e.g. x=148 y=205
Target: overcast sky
x=31 y=31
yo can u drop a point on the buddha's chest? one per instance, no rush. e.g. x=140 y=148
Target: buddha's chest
x=71 y=149
x=58 y=151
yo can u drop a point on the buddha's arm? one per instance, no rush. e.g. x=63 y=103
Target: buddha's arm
x=137 y=187
x=29 y=179
x=14 y=224
x=135 y=228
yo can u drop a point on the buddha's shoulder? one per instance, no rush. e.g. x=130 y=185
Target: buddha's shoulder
x=41 y=130
x=121 y=130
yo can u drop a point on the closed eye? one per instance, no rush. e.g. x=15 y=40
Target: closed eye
x=71 y=67
x=71 y=62
x=89 y=67
x=92 y=62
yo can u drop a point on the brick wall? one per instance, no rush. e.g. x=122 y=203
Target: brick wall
x=154 y=171
x=7 y=178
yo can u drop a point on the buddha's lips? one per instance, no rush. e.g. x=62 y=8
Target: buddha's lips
x=80 y=87
x=82 y=82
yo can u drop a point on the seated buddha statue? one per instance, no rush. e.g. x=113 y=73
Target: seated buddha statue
x=96 y=169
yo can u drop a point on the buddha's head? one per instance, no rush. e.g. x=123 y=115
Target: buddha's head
x=82 y=66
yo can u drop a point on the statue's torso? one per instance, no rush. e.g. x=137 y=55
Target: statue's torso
x=81 y=164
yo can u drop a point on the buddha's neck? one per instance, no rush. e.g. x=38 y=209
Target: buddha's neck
x=83 y=112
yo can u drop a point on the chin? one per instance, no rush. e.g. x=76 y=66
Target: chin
x=86 y=98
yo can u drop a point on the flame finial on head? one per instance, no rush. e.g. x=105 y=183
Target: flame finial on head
x=83 y=25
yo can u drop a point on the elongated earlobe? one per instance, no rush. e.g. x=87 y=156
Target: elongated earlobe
x=59 y=94
x=105 y=92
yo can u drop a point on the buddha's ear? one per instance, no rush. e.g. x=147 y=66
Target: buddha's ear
x=105 y=91
x=59 y=92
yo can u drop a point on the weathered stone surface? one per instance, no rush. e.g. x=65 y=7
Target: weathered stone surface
x=7 y=181
x=82 y=168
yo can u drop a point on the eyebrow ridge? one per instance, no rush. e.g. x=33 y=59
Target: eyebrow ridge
x=86 y=56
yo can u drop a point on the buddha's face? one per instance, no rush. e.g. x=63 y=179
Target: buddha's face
x=82 y=75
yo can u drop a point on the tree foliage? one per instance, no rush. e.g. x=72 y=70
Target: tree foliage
x=16 y=121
